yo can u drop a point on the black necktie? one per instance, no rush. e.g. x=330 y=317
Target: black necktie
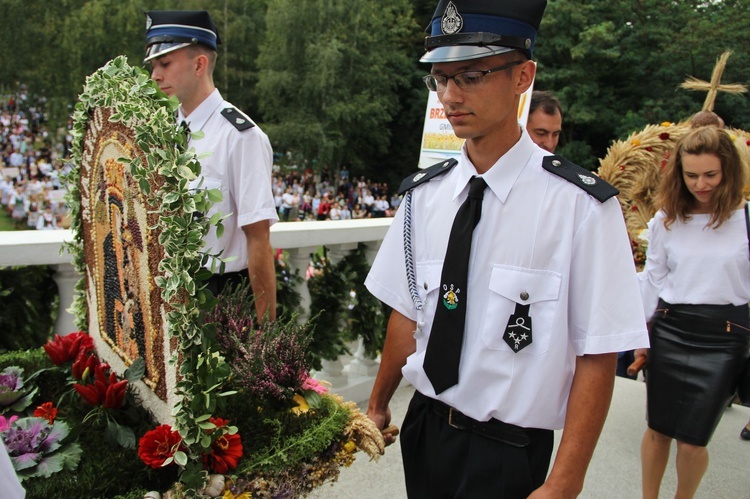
x=444 y=346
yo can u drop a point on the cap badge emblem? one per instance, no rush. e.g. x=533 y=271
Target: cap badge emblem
x=418 y=177
x=587 y=180
x=452 y=21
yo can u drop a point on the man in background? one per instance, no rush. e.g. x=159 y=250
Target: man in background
x=545 y=120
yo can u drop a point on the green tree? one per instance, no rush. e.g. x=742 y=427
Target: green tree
x=330 y=73
x=616 y=66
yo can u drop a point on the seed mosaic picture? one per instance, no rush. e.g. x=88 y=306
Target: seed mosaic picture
x=121 y=259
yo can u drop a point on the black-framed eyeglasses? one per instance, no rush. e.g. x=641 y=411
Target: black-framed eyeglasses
x=465 y=79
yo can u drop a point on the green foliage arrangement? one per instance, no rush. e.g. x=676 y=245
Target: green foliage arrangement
x=365 y=315
x=295 y=435
x=137 y=102
x=329 y=292
x=288 y=434
x=288 y=299
x=27 y=317
x=85 y=465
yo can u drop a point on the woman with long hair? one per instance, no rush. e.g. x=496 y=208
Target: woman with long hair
x=696 y=289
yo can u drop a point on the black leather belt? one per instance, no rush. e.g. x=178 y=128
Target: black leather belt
x=494 y=429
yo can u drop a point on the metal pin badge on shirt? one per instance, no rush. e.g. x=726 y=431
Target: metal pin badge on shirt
x=517 y=333
x=450 y=297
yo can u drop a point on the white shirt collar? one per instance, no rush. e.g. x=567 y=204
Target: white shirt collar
x=504 y=173
x=200 y=115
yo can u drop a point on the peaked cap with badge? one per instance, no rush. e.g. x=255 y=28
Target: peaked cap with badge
x=170 y=30
x=470 y=29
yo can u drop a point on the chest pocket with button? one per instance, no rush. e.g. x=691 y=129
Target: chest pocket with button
x=517 y=285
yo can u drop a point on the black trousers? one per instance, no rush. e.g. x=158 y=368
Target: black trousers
x=441 y=461
x=217 y=282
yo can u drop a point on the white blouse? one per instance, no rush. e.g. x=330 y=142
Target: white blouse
x=693 y=263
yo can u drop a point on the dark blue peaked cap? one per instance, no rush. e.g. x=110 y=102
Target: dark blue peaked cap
x=169 y=30
x=470 y=29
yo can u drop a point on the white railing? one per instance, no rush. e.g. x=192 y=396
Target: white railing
x=351 y=375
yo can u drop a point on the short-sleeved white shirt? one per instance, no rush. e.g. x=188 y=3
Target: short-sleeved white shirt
x=240 y=166
x=539 y=235
x=694 y=263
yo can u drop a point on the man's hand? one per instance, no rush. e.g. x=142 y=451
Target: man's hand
x=383 y=421
x=640 y=359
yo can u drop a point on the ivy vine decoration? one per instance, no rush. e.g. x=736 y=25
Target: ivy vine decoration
x=288 y=299
x=366 y=314
x=163 y=170
x=329 y=292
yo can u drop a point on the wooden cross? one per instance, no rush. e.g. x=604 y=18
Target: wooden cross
x=714 y=86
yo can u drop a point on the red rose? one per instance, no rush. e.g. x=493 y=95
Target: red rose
x=158 y=445
x=46 y=411
x=63 y=349
x=226 y=450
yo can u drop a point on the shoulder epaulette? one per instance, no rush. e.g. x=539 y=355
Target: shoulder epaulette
x=426 y=174
x=580 y=176
x=236 y=118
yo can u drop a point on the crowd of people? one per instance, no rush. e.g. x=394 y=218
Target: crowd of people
x=324 y=196
x=32 y=164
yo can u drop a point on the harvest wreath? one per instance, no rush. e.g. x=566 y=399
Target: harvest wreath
x=635 y=165
x=211 y=401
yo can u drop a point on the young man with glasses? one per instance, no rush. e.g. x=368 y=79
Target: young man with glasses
x=511 y=279
x=181 y=50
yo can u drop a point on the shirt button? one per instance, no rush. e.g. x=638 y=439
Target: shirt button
x=524 y=295
x=425 y=286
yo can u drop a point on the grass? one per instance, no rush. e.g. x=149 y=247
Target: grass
x=6 y=223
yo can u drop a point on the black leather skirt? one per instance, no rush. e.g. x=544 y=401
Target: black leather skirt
x=697 y=354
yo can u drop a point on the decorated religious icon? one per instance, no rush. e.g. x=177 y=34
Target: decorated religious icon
x=120 y=252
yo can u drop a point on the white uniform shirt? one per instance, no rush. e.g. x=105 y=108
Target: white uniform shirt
x=12 y=488
x=541 y=235
x=240 y=165
x=692 y=263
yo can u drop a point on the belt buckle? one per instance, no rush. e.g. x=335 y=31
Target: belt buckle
x=450 y=419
